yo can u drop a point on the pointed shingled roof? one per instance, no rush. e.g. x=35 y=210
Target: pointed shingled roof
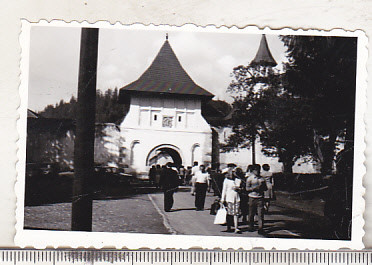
x=166 y=76
x=263 y=56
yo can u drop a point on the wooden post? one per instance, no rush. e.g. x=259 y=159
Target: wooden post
x=253 y=149
x=81 y=219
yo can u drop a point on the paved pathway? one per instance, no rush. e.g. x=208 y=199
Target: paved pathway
x=184 y=219
x=281 y=221
x=144 y=214
x=135 y=214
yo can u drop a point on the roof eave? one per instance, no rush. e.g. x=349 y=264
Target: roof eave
x=263 y=63
x=124 y=94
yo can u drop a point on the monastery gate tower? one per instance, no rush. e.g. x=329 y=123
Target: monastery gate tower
x=164 y=121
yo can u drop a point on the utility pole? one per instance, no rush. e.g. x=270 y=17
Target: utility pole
x=81 y=219
x=253 y=149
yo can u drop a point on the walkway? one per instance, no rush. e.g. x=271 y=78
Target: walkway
x=143 y=213
x=281 y=221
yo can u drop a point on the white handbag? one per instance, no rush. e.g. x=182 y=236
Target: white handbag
x=220 y=218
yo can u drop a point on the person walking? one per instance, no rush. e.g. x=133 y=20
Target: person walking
x=230 y=196
x=157 y=176
x=152 y=175
x=188 y=175
x=249 y=171
x=201 y=186
x=243 y=194
x=182 y=174
x=194 y=169
x=169 y=181
x=215 y=174
x=256 y=185
x=209 y=171
x=269 y=193
x=220 y=178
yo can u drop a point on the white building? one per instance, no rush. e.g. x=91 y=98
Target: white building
x=243 y=157
x=164 y=122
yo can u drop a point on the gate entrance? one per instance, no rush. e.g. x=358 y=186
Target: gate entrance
x=163 y=154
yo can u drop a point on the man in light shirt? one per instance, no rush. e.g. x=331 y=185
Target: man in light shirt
x=255 y=186
x=201 y=185
x=194 y=169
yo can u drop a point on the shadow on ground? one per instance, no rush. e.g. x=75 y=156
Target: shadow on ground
x=59 y=190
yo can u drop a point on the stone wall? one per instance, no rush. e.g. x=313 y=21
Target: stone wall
x=52 y=141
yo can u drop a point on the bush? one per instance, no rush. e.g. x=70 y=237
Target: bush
x=297 y=182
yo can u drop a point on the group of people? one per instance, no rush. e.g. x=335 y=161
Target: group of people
x=155 y=174
x=169 y=177
x=184 y=174
x=247 y=195
x=243 y=194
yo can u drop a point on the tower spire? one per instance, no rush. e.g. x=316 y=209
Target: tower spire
x=165 y=75
x=166 y=36
x=263 y=56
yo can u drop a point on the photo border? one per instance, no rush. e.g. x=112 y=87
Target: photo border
x=45 y=238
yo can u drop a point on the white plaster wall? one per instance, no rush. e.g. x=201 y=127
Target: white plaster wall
x=140 y=127
x=142 y=113
x=149 y=139
x=243 y=157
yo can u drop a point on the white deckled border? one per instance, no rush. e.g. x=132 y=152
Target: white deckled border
x=43 y=238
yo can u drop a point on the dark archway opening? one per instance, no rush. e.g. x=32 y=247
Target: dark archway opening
x=163 y=155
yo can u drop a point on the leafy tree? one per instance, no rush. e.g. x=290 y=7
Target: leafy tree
x=287 y=134
x=322 y=72
x=248 y=118
x=264 y=110
x=306 y=110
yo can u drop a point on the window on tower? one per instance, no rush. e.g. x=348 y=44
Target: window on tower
x=155 y=117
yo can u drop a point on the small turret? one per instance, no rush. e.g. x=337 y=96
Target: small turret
x=263 y=56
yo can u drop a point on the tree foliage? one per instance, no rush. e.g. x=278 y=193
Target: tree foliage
x=108 y=110
x=249 y=88
x=322 y=72
x=304 y=110
x=287 y=134
x=264 y=109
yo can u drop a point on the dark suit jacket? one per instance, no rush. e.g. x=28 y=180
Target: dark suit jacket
x=169 y=179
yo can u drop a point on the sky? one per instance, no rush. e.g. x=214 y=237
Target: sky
x=124 y=54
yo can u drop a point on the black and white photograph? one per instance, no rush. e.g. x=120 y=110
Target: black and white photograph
x=196 y=132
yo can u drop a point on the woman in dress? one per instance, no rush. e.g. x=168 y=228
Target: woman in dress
x=230 y=196
x=269 y=193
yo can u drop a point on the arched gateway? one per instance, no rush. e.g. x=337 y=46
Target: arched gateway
x=164 y=122
x=163 y=154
